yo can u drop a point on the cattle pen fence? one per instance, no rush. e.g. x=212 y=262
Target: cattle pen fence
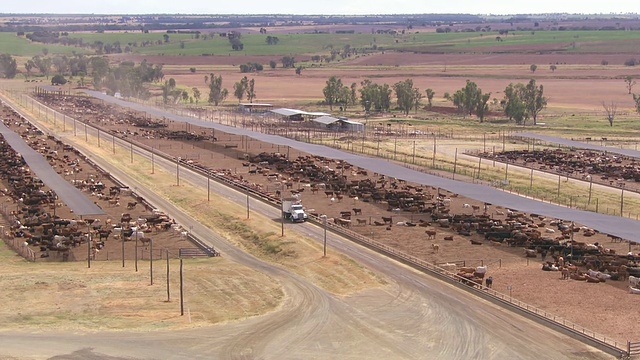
x=600 y=341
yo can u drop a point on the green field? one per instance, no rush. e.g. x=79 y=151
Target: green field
x=310 y=44
x=19 y=46
x=452 y=42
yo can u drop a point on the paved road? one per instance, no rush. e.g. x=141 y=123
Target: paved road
x=414 y=317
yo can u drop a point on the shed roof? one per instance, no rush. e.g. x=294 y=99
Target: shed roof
x=351 y=122
x=291 y=112
x=255 y=104
x=326 y=120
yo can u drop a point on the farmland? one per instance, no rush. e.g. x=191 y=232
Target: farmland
x=588 y=69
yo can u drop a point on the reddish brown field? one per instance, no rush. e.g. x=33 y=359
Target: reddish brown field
x=441 y=72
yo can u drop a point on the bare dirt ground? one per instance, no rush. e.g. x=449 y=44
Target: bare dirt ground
x=507 y=265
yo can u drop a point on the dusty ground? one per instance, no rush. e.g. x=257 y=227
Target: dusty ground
x=507 y=265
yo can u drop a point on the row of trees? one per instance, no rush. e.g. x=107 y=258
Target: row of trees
x=521 y=102
x=374 y=96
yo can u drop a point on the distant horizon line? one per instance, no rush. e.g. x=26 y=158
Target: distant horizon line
x=324 y=15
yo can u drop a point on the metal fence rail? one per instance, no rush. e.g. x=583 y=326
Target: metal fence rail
x=633 y=348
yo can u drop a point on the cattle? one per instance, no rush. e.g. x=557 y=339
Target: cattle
x=362 y=221
x=448 y=238
x=132 y=205
x=145 y=241
x=530 y=253
x=431 y=234
x=634 y=281
x=104 y=234
x=435 y=248
x=357 y=211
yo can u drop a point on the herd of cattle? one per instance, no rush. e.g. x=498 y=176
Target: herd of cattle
x=481 y=223
x=37 y=218
x=428 y=210
x=600 y=167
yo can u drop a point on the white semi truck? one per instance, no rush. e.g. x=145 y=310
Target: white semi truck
x=292 y=209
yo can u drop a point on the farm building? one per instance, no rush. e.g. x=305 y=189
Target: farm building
x=255 y=107
x=339 y=124
x=296 y=115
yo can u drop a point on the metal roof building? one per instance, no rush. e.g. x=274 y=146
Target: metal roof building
x=296 y=115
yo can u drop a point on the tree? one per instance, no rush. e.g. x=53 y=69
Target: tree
x=417 y=96
x=236 y=44
x=8 y=66
x=353 y=94
x=288 y=62
x=240 y=88
x=251 y=91
x=196 y=94
x=467 y=98
x=533 y=68
x=58 y=79
x=636 y=99
x=374 y=96
x=630 y=83
x=29 y=65
x=332 y=90
x=166 y=38
x=43 y=64
x=430 y=95
x=553 y=68
x=166 y=91
x=482 y=106
x=344 y=96
x=514 y=107
x=273 y=64
x=534 y=99
x=82 y=75
x=471 y=97
x=272 y=40
x=61 y=64
x=470 y=100
x=405 y=95
x=217 y=93
x=299 y=70
x=611 y=110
